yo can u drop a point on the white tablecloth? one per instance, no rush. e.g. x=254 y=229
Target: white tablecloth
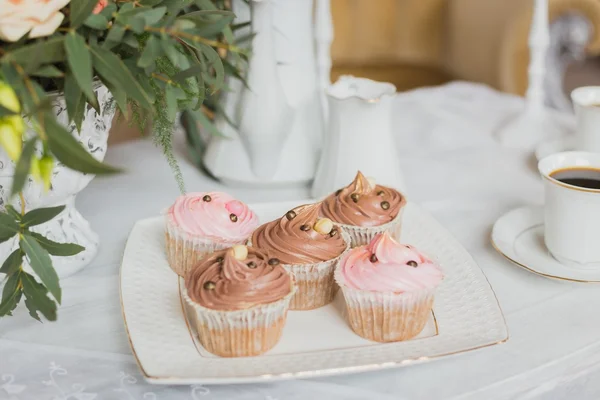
x=453 y=167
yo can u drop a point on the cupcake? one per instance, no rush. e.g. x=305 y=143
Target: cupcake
x=201 y=223
x=240 y=298
x=364 y=209
x=309 y=247
x=389 y=289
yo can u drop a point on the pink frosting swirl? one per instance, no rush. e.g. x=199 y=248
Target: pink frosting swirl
x=213 y=215
x=388 y=266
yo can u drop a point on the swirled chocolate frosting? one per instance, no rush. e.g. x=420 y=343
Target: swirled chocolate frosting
x=293 y=240
x=222 y=282
x=363 y=204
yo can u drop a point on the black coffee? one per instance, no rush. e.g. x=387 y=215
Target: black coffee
x=582 y=177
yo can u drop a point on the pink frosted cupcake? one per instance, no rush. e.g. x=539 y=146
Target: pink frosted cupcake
x=364 y=209
x=389 y=289
x=200 y=223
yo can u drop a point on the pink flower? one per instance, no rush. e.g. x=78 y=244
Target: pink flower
x=100 y=6
x=38 y=17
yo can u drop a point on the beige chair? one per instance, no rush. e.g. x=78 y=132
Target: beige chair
x=426 y=42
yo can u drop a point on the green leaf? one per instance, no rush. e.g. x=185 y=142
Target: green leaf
x=23 y=165
x=112 y=69
x=80 y=63
x=75 y=100
x=152 y=51
x=48 y=71
x=169 y=48
x=207 y=26
x=9 y=227
x=12 y=262
x=40 y=262
x=192 y=71
x=50 y=51
x=36 y=298
x=154 y=15
x=80 y=10
x=12 y=212
x=55 y=248
x=97 y=21
x=11 y=295
x=69 y=152
x=215 y=61
x=114 y=37
x=120 y=97
x=40 y=215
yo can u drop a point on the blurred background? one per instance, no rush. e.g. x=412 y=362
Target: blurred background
x=418 y=43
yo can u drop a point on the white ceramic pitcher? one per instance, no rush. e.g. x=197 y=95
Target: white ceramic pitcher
x=277 y=121
x=359 y=136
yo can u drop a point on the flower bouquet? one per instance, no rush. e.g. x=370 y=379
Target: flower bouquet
x=156 y=58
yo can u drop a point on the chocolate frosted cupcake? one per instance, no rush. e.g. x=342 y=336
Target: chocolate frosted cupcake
x=309 y=247
x=364 y=209
x=240 y=298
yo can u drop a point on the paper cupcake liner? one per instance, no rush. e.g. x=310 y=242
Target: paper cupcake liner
x=241 y=333
x=361 y=236
x=387 y=316
x=316 y=284
x=184 y=250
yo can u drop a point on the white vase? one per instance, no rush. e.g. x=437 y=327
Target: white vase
x=277 y=127
x=69 y=226
x=359 y=136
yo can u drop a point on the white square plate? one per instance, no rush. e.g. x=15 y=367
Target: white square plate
x=466 y=316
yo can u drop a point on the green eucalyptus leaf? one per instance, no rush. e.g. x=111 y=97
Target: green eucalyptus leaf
x=114 y=37
x=80 y=63
x=40 y=263
x=55 y=248
x=36 y=298
x=192 y=71
x=9 y=227
x=130 y=40
x=120 y=97
x=152 y=50
x=170 y=49
x=154 y=15
x=40 y=215
x=80 y=10
x=42 y=52
x=75 y=101
x=112 y=69
x=11 y=295
x=215 y=62
x=12 y=263
x=97 y=21
x=137 y=25
x=48 y=71
x=23 y=166
x=12 y=212
x=69 y=152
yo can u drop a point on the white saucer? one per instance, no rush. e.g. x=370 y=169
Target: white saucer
x=566 y=143
x=519 y=236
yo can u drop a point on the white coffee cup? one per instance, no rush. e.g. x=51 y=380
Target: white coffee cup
x=571 y=213
x=587 y=109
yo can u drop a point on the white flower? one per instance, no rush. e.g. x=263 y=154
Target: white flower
x=38 y=17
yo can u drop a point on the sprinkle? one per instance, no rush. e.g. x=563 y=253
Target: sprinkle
x=251 y=265
x=354 y=197
x=273 y=261
x=412 y=264
x=233 y=217
x=380 y=193
x=220 y=259
x=207 y=198
x=385 y=205
x=290 y=215
x=209 y=285
x=333 y=232
x=305 y=228
x=373 y=258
